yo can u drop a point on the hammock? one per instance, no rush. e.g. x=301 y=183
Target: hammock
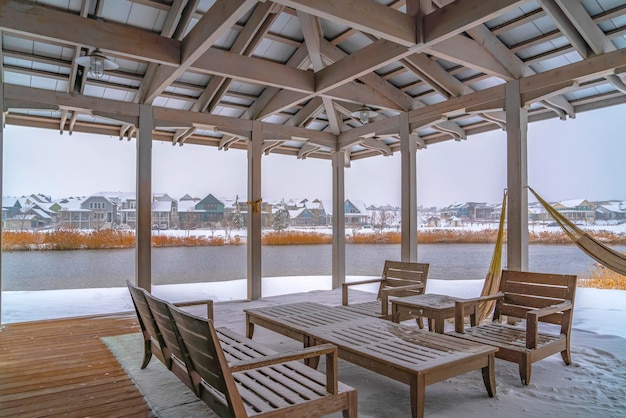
x=604 y=255
x=492 y=280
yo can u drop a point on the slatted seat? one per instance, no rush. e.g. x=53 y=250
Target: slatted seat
x=535 y=297
x=398 y=279
x=275 y=384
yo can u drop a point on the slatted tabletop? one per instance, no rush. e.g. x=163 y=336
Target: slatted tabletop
x=407 y=354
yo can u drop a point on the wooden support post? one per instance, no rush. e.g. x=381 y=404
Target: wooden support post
x=517 y=178
x=408 y=150
x=143 y=248
x=1 y=175
x=339 y=219
x=255 y=150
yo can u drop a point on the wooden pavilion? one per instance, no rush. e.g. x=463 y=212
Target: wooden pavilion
x=329 y=79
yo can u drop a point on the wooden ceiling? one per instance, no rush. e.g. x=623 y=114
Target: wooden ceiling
x=304 y=67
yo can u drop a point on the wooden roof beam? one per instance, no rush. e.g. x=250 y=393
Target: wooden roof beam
x=565 y=26
x=220 y=18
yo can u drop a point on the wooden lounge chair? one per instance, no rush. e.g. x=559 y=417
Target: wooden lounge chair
x=274 y=385
x=398 y=279
x=535 y=297
x=153 y=340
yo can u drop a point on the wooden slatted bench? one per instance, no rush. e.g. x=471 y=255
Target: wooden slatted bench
x=253 y=379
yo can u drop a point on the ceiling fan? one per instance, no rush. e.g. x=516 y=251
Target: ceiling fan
x=97 y=63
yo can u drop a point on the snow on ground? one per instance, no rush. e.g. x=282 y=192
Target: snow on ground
x=593 y=386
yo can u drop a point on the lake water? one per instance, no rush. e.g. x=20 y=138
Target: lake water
x=43 y=270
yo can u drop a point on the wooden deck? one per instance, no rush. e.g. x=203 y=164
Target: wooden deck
x=61 y=367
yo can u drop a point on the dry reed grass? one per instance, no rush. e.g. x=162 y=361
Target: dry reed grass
x=603 y=278
x=295 y=238
x=71 y=239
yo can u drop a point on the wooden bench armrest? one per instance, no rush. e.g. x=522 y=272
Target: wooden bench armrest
x=329 y=350
x=532 y=321
x=207 y=302
x=344 y=288
x=462 y=304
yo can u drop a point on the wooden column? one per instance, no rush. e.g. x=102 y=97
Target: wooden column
x=517 y=178
x=143 y=249
x=339 y=219
x=1 y=176
x=408 y=150
x=255 y=150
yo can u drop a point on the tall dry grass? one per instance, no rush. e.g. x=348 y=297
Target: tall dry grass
x=72 y=239
x=295 y=238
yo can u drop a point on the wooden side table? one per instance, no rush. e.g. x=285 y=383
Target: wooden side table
x=437 y=308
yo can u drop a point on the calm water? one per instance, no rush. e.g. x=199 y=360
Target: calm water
x=40 y=270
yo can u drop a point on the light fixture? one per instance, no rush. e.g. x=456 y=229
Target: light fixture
x=96 y=62
x=364 y=114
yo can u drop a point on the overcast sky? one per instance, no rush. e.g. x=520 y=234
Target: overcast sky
x=578 y=158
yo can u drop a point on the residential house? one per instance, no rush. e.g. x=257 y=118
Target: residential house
x=72 y=214
x=577 y=211
x=103 y=210
x=301 y=217
x=32 y=212
x=611 y=211
x=355 y=212
x=212 y=209
x=189 y=217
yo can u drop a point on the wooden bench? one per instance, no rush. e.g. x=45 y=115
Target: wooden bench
x=398 y=279
x=407 y=354
x=535 y=297
x=153 y=339
x=253 y=379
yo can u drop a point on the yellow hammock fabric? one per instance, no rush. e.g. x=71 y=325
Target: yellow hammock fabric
x=604 y=255
x=492 y=280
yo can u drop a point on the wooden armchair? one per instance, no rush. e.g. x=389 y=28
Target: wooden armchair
x=535 y=297
x=274 y=385
x=398 y=279
x=153 y=339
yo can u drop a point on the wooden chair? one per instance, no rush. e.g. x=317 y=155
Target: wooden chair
x=153 y=339
x=535 y=297
x=274 y=385
x=398 y=279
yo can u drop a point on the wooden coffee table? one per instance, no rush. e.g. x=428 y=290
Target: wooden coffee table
x=404 y=353
x=437 y=308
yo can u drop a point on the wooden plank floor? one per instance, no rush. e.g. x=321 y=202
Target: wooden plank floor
x=62 y=368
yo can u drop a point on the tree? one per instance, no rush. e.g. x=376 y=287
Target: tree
x=280 y=220
x=237 y=219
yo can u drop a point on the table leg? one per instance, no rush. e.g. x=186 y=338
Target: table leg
x=249 y=327
x=395 y=313
x=312 y=362
x=440 y=323
x=489 y=376
x=418 y=395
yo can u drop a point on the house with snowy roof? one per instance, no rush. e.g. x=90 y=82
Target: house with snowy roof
x=610 y=211
x=577 y=210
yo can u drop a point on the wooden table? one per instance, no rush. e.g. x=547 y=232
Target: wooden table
x=437 y=308
x=406 y=354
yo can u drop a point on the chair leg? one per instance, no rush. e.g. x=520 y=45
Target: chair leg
x=352 y=411
x=525 y=367
x=147 y=354
x=567 y=356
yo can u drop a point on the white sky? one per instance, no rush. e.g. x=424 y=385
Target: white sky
x=577 y=158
